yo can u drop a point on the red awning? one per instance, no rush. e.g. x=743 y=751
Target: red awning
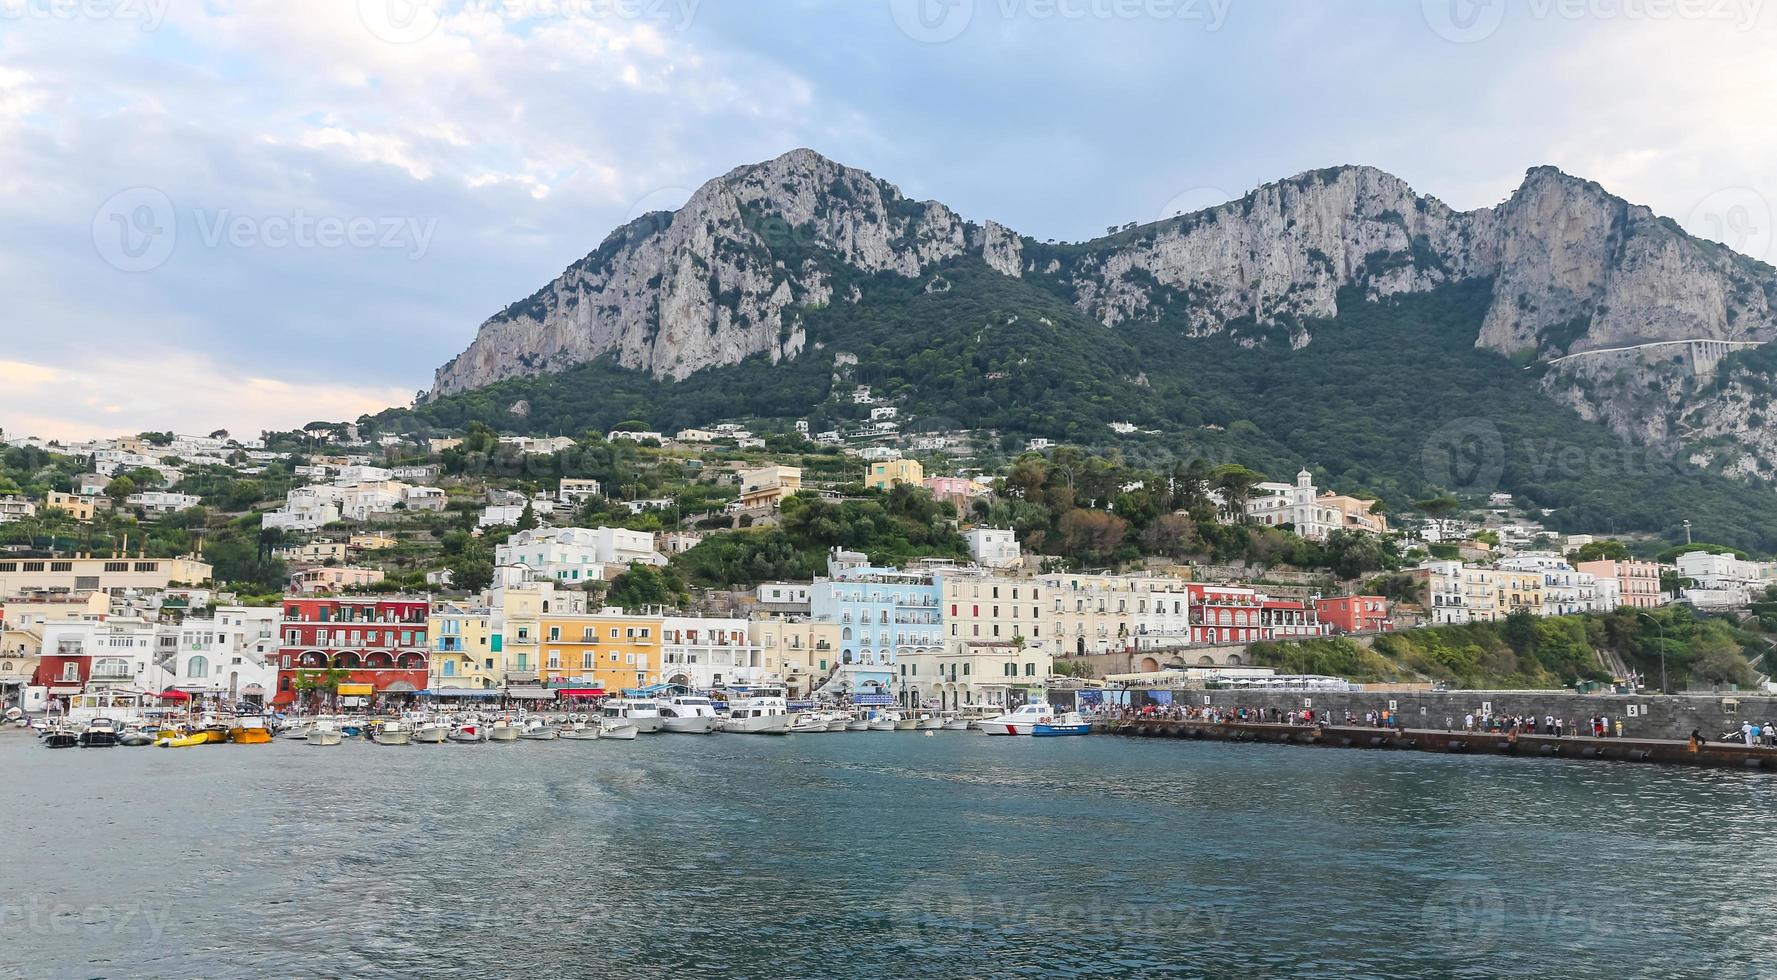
x=170 y=694
x=285 y=697
x=582 y=692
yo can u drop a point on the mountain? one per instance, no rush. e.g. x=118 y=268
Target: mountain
x=779 y=285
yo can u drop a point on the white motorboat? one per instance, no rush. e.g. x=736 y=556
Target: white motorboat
x=762 y=712
x=470 y=731
x=539 y=731
x=882 y=721
x=906 y=724
x=974 y=714
x=391 y=733
x=1021 y=720
x=503 y=731
x=807 y=723
x=930 y=723
x=325 y=731
x=956 y=724
x=431 y=733
x=857 y=723
x=836 y=722
x=689 y=715
x=579 y=732
x=618 y=728
x=296 y=730
x=643 y=713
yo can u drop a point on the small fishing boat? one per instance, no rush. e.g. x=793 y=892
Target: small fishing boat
x=930 y=723
x=325 y=731
x=906 y=724
x=858 y=723
x=956 y=724
x=249 y=730
x=61 y=738
x=539 y=731
x=470 y=731
x=136 y=736
x=391 y=732
x=807 y=723
x=579 y=732
x=100 y=733
x=431 y=733
x=836 y=722
x=882 y=721
x=503 y=731
x=298 y=730
x=618 y=729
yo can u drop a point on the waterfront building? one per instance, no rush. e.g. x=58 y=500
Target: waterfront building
x=973 y=672
x=802 y=650
x=882 y=613
x=1354 y=613
x=233 y=655
x=1636 y=583
x=379 y=641
x=464 y=654
x=603 y=652
x=518 y=626
x=83 y=654
x=704 y=653
x=570 y=555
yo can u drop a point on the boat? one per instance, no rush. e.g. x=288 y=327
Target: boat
x=618 y=728
x=539 y=731
x=325 y=731
x=836 y=722
x=249 y=730
x=100 y=733
x=298 y=730
x=470 y=731
x=903 y=724
x=643 y=713
x=857 y=723
x=391 y=732
x=689 y=714
x=807 y=723
x=882 y=721
x=431 y=733
x=61 y=738
x=580 y=732
x=503 y=731
x=974 y=714
x=181 y=740
x=1021 y=720
x=135 y=736
x=956 y=723
x=762 y=712
x=1066 y=723
x=930 y=723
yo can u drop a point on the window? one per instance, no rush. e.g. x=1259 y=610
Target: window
x=110 y=566
x=70 y=672
x=554 y=659
x=555 y=634
x=588 y=660
x=61 y=566
x=198 y=667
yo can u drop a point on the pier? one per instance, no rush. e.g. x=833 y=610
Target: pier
x=1719 y=755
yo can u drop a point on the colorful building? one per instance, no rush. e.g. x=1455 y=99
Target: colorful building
x=885 y=473
x=602 y=652
x=1355 y=613
x=379 y=641
x=464 y=656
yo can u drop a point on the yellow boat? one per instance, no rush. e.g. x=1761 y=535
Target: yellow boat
x=249 y=730
x=182 y=741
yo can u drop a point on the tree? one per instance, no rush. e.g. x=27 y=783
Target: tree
x=1171 y=535
x=527 y=519
x=1090 y=536
x=120 y=489
x=1235 y=483
x=1440 y=510
x=645 y=585
x=1609 y=550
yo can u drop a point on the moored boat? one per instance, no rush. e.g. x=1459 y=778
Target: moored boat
x=61 y=738
x=807 y=723
x=1021 y=720
x=930 y=723
x=956 y=724
x=763 y=712
x=325 y=731
x=503 y=731
x=689 y=715
x=431 y=733
x=643 y=713
x=392 y=732
x=100 y=733
x=249 y=730
x=1066 y=723
x=470 y=731
x=882 y=721
x=618 y=728
x=579 y=732
x=135 y=736
x=857 y=723
x=539 y=731
x=906 y=724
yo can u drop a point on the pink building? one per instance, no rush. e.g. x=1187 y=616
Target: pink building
x=1637 y=582
x=956 y=489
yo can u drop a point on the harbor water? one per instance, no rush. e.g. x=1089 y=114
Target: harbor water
x=874 y=855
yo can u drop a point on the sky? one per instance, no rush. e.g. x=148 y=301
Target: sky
x=252 y=214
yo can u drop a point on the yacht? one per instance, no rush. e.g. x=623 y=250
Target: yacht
x=763 y=712
x=643 y=713
x=101 y=733
x=325 y=731
x=431 y=732
x=391 y=733
x=689 y=715
x=539 y=731
x=1021 y=720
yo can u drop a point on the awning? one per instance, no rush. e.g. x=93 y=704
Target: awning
x=285 y=697
x=872 y=699
x=401 y=687
x=581 y=692
x=356 y=690
x=530 y=694
x=461 y=692
x=652 y=690
x=173 y=694
x=64 y=690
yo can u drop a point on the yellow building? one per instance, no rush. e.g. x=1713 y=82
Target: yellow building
x=463 y=650
x=766 y=487
x=886 y=473
x=800 y=650
x=372 y=541
x=609 y=649
x=79 y=508
x=1518 y=592
x=518 y=626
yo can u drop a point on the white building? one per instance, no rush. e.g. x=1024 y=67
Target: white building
x=1313 y=514
x=1724 y=580
x=705 y=653
x=783 y=597
x=1566 y=591
x=993 y=547
x=576 y=554
x=616 y=435
x=233 y=656
x=162 y=501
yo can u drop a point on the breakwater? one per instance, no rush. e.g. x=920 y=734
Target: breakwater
x=1669 y=751
x=1642 y=716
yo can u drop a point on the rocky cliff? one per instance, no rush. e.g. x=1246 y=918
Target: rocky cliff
x=1574 y=270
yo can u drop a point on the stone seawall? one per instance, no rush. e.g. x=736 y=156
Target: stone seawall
x=1643 y=716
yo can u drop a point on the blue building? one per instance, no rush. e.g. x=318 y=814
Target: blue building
x=882 y=613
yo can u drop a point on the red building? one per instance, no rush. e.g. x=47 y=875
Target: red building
x=379 y=640
x=1355 y=613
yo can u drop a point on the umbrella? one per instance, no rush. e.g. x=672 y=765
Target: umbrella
x=173 y=695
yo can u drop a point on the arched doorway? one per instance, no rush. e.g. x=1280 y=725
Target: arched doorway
x=1149 y=665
